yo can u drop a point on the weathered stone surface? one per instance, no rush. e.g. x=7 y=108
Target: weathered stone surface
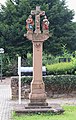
x=25 y=89
x=51 y=108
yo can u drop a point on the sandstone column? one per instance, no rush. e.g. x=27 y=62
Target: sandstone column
x=37 y=95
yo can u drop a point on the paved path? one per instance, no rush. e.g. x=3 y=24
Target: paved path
x=5 y=103
x=63 y=101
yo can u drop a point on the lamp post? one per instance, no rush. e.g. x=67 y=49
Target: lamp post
x=1 y=52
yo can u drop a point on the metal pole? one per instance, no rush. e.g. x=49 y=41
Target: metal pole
x=1 y=67
x=1 y=52
x=19 y=73
x=19 y=88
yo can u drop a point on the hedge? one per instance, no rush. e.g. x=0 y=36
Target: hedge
x=61 y=68
x=57 y=83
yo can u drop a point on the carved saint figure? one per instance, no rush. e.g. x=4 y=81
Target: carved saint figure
x=29 y=24
x=45 y=24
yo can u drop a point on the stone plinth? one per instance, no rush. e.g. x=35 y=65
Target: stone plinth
x=37 y=95
x=51 y=108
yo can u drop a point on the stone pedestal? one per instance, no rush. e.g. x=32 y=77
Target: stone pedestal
x=37 y=95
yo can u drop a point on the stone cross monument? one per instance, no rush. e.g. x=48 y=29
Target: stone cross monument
x=37 y=95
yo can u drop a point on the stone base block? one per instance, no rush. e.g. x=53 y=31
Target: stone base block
x=25 y=109
x=37 y=95
x=38 y=104
x=37 y=99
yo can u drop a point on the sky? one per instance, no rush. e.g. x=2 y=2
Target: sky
x=71 y=5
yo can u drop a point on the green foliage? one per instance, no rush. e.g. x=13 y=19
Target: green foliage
x=56 y=83
x=60 y=83
x=26 y=80
x=69 y=114
x=12 y=26
x=61 y=68
x=29 y=60
x=65 y=52
x=48 y=59
x=61 y=27
x=51 y=62
x=9 y=66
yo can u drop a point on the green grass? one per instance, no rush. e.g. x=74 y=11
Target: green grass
x=69 y=114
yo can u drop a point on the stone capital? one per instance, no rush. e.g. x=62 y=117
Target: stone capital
x=38 y=37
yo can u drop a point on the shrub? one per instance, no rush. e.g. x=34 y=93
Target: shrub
x=26 y=80
x=49 y=59
x=56 y=83
x=61 y=68
x=61 y=83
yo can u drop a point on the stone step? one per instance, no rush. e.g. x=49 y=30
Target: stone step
x=37 y=107
x=25 y=109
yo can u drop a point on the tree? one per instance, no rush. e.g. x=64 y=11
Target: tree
x=12 y=26
x=60 y=18
x=12 y=29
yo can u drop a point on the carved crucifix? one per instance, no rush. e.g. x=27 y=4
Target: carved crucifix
x=37 y=14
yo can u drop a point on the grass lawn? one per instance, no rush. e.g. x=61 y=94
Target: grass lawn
x=69 y=114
